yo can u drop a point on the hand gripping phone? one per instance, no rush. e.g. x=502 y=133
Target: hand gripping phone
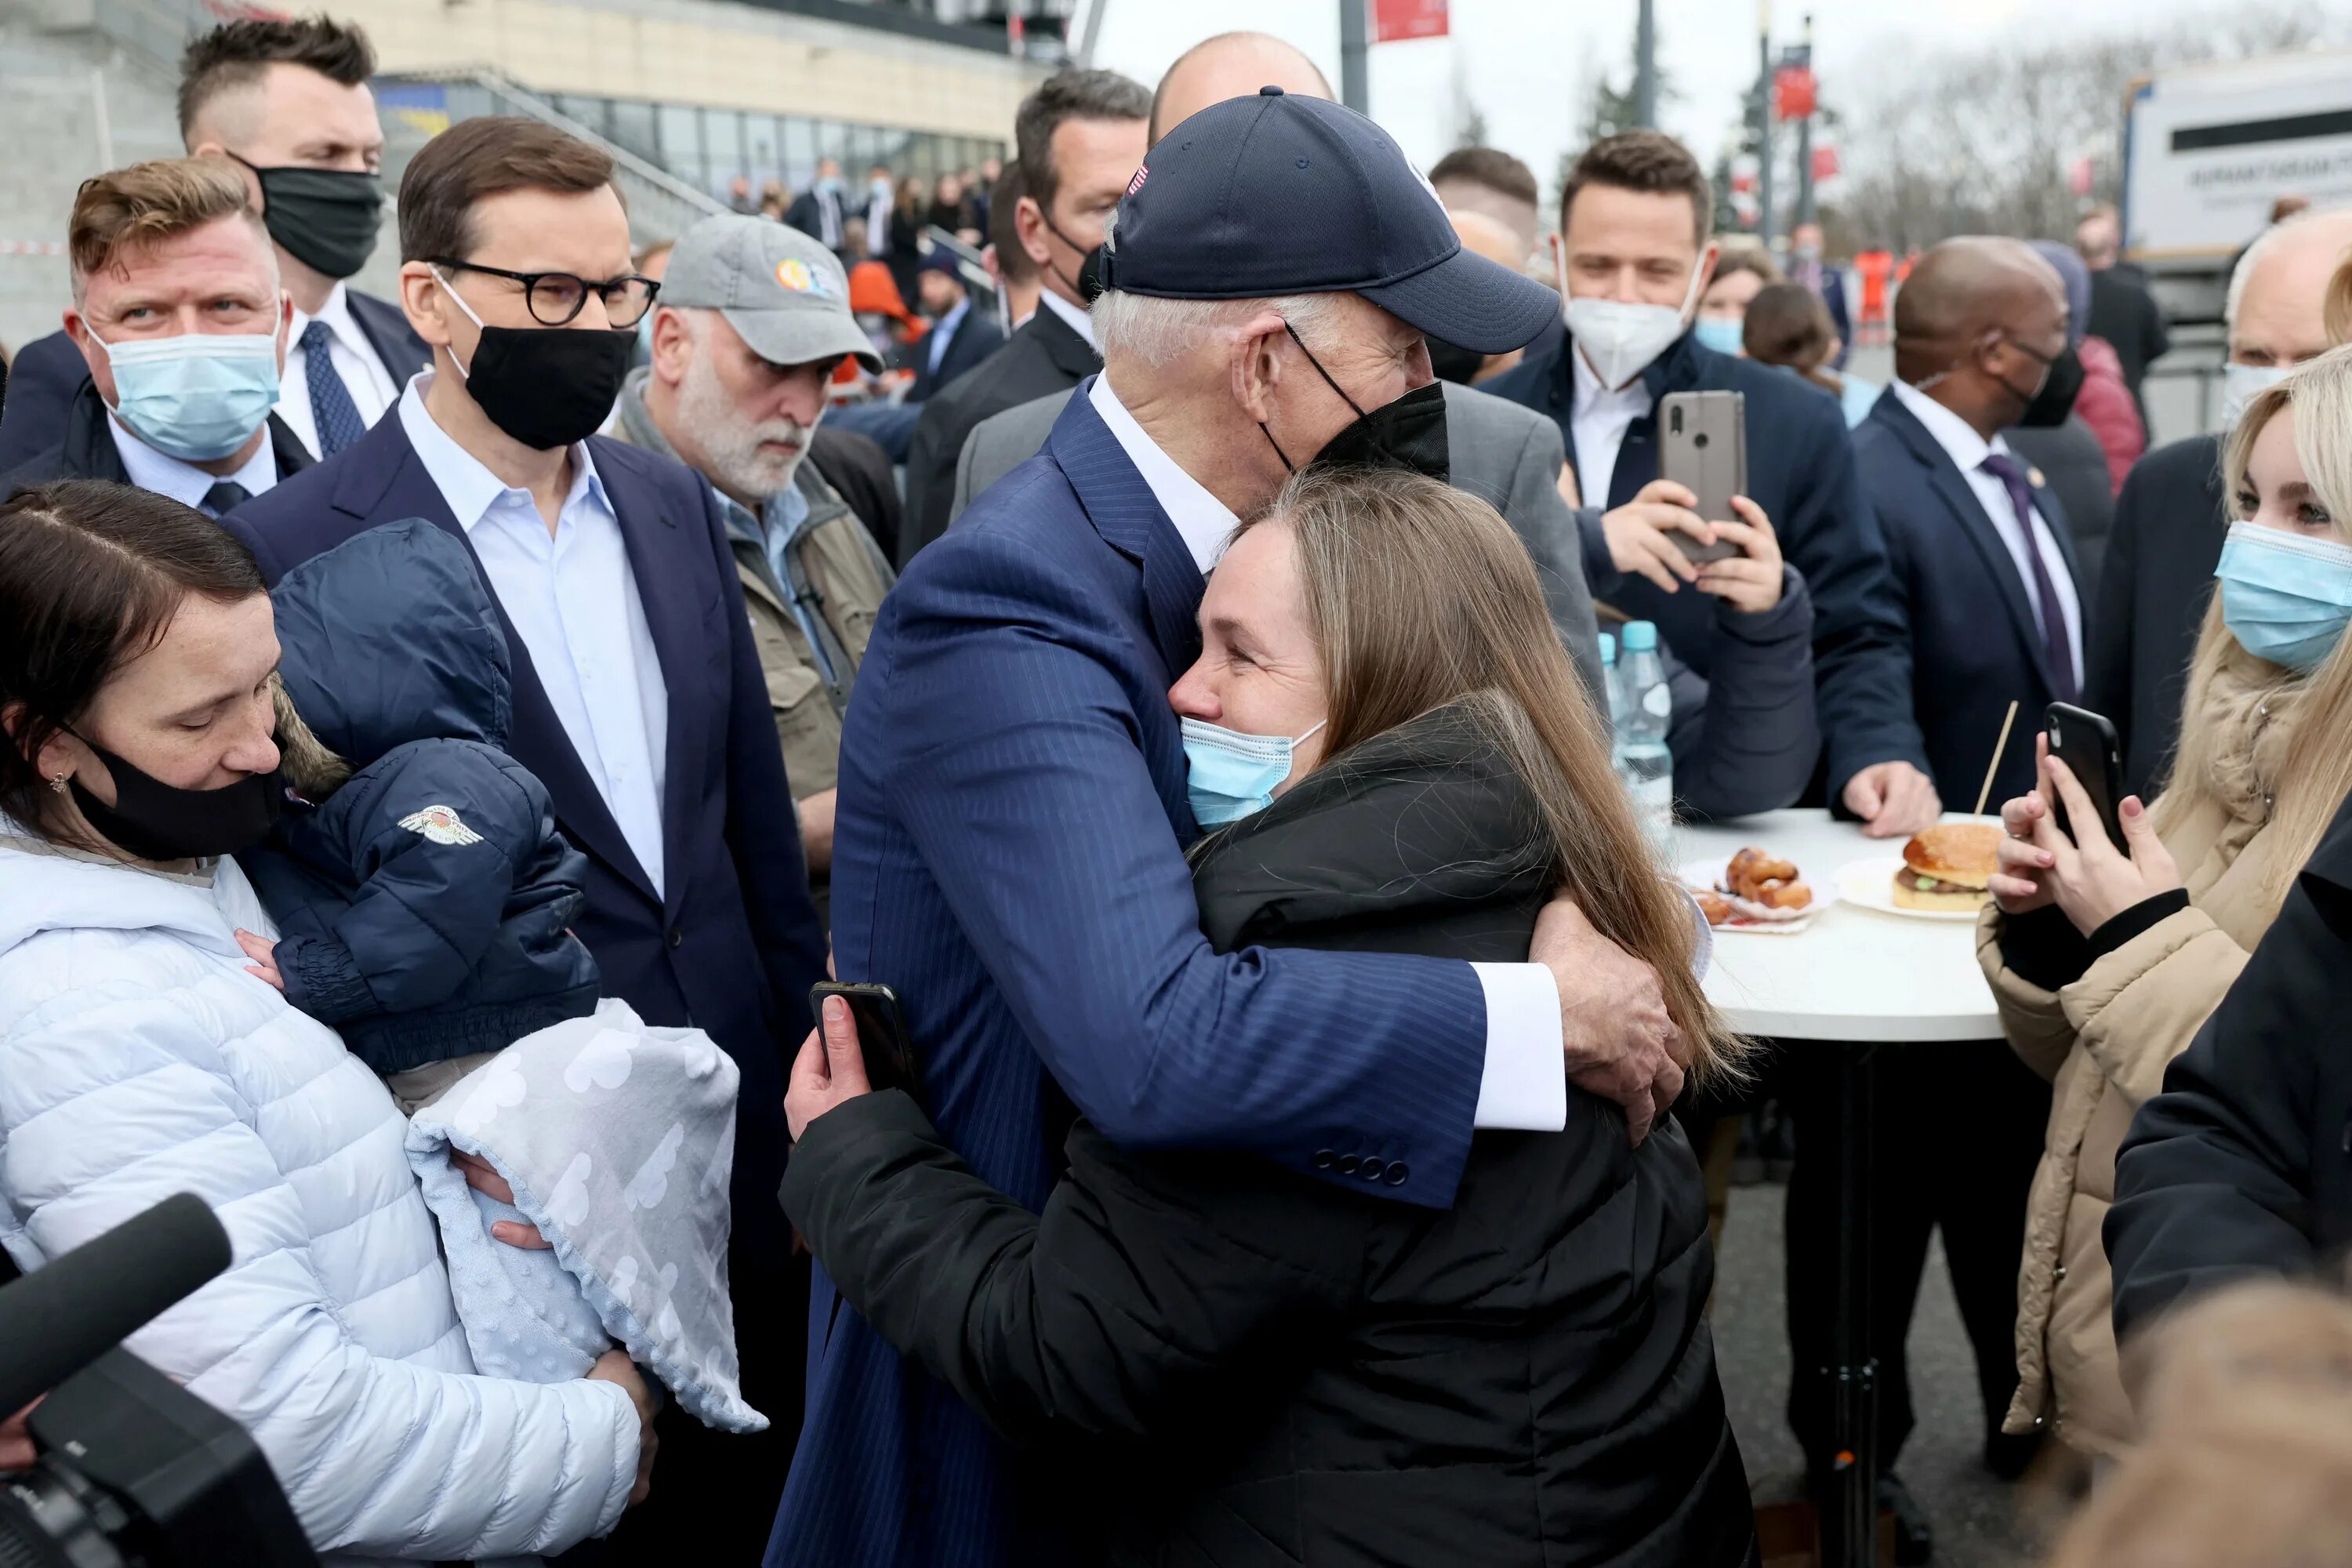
x=881 y=1033
x=2086 y=743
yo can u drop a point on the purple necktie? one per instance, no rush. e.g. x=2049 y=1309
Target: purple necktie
x=2056 y=647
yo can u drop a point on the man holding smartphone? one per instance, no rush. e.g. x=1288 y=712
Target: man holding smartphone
x=1636 y=256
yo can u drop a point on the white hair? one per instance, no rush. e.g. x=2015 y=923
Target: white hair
x=2265 y=242
x=1160 y=332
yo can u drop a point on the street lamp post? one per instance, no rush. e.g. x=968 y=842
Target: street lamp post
x=1645 y=66
x=1355 y=79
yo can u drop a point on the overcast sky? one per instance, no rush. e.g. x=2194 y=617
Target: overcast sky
x=1527 y=63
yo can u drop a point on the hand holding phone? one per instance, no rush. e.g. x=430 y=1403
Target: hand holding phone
x=2113 y=862
x=1703 y=446
x=860 y=1044
x=2086 y=743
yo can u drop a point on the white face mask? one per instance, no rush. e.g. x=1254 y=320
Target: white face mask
x=2239 y=385
x=1618 y=338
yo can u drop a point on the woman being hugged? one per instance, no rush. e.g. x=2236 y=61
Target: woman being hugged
x=139 y=1057
x=1251 y=1366
x=2107 y=958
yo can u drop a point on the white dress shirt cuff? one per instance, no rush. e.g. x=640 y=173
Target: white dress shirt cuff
x=1525 y=1085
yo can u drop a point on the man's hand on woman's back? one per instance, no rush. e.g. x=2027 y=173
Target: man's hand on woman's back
x=1619 y=1042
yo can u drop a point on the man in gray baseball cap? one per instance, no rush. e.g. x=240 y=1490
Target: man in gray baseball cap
x=753 y=318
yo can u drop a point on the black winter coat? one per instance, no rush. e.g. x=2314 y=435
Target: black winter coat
x=424 y=908
x=1239 y=1366
x=2243 y=1167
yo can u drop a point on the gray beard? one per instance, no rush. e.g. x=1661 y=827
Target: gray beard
x=734 y=449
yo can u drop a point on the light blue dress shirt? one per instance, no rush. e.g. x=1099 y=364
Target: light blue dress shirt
x=783 y=521
x=165 y=475
x=943 y=331
x=573 y=601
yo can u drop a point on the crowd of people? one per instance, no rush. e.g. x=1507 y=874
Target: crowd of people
x=450 y=738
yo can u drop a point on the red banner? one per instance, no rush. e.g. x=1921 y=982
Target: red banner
x=1825 y=165
x=1795 y=94
x=1399 y=21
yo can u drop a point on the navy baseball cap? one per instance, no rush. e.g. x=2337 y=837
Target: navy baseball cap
x=1257 y=197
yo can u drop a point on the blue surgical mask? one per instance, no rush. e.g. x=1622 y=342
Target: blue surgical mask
x=2285 y=598
x=2239 y=385
x=1721 y=334
x=198 y=396
x=1230 y=776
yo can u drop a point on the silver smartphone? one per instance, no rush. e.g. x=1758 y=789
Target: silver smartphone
x=1703 y=446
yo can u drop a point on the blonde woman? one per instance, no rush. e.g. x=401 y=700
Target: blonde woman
x=2105 y=958
x=1228 y=1364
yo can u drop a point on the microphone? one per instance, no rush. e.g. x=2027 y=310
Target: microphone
x=60 y=1318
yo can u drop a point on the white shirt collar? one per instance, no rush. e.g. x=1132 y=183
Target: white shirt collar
x=336 y=313
x=470 y=489
x=1076 y=320
x=1589 y=395
x=165 y=475
x=1958 y=440
x=1202 y=522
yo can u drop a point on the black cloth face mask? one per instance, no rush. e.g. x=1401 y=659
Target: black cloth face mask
x=324 y=219
x=1453 y=363
x=1088 y=284
x=1407 y=433
x=2062 y=383
x=545 y=386
x=151 y=820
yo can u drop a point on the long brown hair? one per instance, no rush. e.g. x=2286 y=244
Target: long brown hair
x=2316 y=774
x=1419 y=595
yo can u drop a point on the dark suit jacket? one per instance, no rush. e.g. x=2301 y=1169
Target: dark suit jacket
x=859 y=471
x=48 y=371
x=977 y=336
x=2242 y=1169
x=86 y=451
x=1008 y=854
x=2161 y=551
x=733 y=945
x=1800 y=471
x=806 y=213
x=2075 y=466
x=1045 y=356
x=1974 y=645
x=2124 y=312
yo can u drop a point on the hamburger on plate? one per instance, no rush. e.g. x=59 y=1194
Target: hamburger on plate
x=1947 y=868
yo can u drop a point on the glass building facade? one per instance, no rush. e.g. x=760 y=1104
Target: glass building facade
x=708 y=148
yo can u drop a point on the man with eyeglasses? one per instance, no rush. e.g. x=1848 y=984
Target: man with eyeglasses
x=639 y=698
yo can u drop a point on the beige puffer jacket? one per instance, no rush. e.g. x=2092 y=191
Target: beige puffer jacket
x=2105 y=1040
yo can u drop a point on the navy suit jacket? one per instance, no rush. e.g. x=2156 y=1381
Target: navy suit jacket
x=1801 y=470
x=44 y=375
x=1974 y=645
x=977 y=336
x=1009 y=855
x=733 y=945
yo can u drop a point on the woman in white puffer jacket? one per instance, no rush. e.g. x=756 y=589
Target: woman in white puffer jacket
x=140 y=1057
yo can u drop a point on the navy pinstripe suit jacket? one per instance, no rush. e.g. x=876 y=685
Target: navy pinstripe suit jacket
x=1009 y=855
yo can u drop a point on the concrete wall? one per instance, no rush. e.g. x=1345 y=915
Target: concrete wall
x=67 y=102
x=708 y=53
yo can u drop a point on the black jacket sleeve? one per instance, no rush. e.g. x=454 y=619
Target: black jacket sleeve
x=2236 y=1169
x=1126 y=1300
x=1745 y=739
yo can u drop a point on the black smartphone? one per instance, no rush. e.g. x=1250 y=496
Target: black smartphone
x=1703 y=446
x=2086 y=743
x=881 y=1031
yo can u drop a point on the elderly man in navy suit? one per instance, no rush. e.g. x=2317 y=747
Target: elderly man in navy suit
x=638 y=698
x=1014 y=809
x=1984 y=564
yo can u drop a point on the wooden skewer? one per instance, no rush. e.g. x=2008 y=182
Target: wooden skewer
x=1994 y=766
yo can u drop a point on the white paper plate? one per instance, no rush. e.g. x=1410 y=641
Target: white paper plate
x=1870 y=884
x=1709 y=874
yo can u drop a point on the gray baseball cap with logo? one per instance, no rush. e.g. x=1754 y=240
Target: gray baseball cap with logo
x=784 y=292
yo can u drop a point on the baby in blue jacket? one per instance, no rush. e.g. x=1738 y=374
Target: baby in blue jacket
x=423 y=893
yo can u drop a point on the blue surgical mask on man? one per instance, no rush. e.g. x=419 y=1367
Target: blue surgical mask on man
x=1230 y=776
x=1724 y=334
x=2284 y=596
x=198 y=396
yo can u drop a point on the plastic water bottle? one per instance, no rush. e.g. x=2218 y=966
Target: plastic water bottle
x=1613 y=693
x=1644 y=761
